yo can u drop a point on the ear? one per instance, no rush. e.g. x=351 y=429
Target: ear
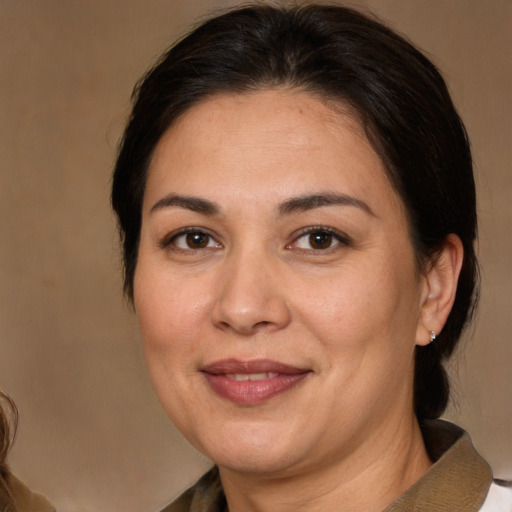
x=440 y=286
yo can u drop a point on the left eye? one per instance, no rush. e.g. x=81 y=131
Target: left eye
x=317 y=240
x=194 y=240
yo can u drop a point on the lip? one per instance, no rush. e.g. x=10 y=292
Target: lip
x=252 y=382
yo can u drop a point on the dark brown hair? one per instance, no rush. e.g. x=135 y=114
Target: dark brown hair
x=337 y=54
x=8 y=423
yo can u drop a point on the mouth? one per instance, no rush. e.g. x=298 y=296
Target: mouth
x=252 y=382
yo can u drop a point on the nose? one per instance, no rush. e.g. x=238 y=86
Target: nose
x=251 y=296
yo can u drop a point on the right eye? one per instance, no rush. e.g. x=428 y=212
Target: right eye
x=193 y=240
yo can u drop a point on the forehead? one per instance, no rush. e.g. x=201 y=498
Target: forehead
x=282 y=116
x=268 y=141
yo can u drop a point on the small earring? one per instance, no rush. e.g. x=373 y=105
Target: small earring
x=433 y=336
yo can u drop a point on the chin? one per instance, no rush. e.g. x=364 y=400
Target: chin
x=249 y=451
x=259 y=462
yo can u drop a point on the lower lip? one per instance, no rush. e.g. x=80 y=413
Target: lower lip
x=252 y=392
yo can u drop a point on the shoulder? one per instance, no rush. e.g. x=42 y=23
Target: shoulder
x=205 y=495
x=499 y=497
x=182 y=503
x=25 y=499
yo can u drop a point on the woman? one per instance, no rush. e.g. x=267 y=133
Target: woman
x=14 y=495
x=296 y=203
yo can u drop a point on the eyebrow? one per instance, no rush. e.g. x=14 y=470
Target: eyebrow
x=293 y=205
x=310 y=202
x=195 y=204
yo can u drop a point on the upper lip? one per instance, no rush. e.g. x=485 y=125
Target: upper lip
x=234 y=366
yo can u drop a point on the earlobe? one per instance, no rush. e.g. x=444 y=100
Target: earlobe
x=440 y=287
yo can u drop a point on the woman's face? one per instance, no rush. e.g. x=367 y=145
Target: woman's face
x=276 y=288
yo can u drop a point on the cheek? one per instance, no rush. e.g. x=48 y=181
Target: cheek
x=170 y=318
x=169 y=312
x=360 y=305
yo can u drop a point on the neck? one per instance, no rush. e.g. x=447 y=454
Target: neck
x=369 y=479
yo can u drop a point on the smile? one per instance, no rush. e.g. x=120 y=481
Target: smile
x=252 y=382
x=251 y=376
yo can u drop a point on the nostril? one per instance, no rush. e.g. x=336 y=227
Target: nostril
x=261 y=325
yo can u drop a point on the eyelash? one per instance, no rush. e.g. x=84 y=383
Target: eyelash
x=170 y=240
x=335 y=236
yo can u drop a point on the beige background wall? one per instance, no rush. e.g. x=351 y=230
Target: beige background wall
x=92 y=436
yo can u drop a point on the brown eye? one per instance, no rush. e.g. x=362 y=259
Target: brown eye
x=320 y=240
x=193 y=241
x=197 y=240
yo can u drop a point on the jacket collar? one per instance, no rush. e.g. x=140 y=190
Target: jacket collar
x=458 y=480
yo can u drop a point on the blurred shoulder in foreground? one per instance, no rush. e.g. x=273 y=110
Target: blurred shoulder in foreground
x=14 y=495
